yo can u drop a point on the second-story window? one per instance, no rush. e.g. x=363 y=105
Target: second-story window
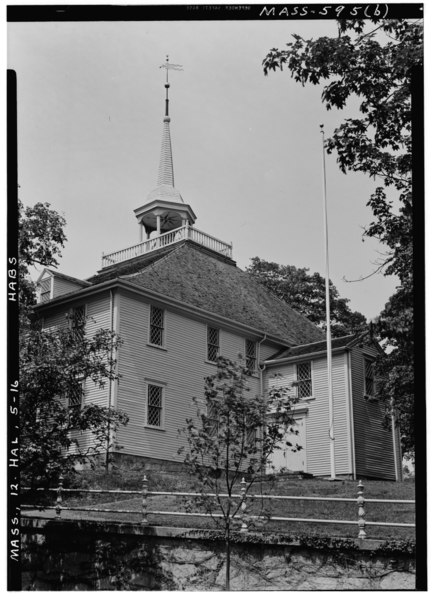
x=78 y=321
x=369 y=377
x=213 y=343
x=156 y=326
x=250 y=355
x=304 y=379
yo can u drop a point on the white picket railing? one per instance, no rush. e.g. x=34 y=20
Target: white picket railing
x=166 y=239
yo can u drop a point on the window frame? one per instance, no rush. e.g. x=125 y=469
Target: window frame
x=162 y=328
x=252 y=357
x=368 y=360
x=72 y=312
x=162 y=387
x=304 y=380
x=210 y=345
x=78 y=406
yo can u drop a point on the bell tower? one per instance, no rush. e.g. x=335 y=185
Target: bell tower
x=165 y=209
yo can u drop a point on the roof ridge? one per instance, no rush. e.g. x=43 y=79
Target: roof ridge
x=158 y=261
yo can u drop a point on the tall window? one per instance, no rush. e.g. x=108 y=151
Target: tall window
x=250 y=354
x=156 y=326
x=212 y=419
x=154 y=416
x=369 y=377
x=78 y=320
x=304 y=379
x=213 y=343
x=75 y=396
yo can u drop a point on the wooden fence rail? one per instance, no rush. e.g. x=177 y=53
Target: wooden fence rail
x=145 y=493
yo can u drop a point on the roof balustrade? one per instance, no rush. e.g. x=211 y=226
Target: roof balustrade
x=167 y=239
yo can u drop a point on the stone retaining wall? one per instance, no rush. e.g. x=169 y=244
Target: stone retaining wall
x=86 y=555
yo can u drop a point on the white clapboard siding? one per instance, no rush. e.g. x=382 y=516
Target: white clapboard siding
x=98 y=311
x=181 y=367
x=373 y=443
x=317 y=417
x=62 y=286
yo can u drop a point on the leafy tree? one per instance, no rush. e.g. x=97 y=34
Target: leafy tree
x=375 y=62
x=232 y=437
x=376 y=67
x=56 y=364
x=40 y=240
x=306 y=294
x=395 y=368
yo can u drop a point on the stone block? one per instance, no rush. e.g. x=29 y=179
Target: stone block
x=398 y=581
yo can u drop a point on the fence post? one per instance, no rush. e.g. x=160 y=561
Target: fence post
x=58 y=506
x=361 y=511
x=144 y=499
x=244 y=526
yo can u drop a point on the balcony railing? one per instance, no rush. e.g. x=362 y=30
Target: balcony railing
x=166 y=239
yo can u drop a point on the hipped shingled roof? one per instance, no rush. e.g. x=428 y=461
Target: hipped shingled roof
x=205 y=280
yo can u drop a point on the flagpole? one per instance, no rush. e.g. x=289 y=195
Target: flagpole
x=328 y=324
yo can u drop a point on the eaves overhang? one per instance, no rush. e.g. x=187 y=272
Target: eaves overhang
x=300 y=357
x=177 y=305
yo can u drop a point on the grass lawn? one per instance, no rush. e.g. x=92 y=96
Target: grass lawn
x=322 y=509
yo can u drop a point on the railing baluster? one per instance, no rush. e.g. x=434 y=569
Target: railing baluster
x=244 y=526
x=361 y=511
x=58 y=507
x=144 y=499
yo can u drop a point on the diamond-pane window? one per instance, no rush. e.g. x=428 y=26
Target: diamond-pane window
x=304 y=379
x=75 y=396
x=78 y=320
x=250 y=354
x=251 y=435
x=154 y=406
x=212 y=419
x=369 y=377
x=156 y=326
x=213 y=343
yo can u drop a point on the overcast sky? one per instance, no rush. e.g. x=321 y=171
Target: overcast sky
x=246 y=148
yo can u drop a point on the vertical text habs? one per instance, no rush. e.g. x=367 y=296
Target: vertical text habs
x=12 y=280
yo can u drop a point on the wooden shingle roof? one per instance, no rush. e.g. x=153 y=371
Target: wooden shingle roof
x=345 y=341
x=203 y=280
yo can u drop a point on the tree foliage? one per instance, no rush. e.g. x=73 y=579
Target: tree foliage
x=234 y=436
x=374 y=61
x=306 y=294
x=40 y=240
x=395 y=369
x=57 y=364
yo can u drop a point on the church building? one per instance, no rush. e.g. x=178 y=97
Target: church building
x=178 y=301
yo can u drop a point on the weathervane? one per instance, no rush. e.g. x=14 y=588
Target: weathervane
x=167 y=65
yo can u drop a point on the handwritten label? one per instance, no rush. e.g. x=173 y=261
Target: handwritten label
x=329 y=11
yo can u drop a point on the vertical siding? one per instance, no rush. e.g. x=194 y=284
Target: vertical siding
x=318 y=434
x=181 y=367
x=317 y=420
x=374 y=443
